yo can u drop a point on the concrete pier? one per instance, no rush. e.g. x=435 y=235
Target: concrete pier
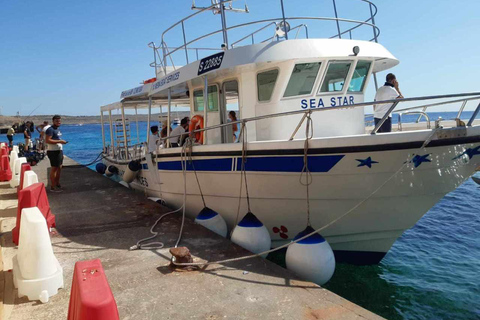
x=98 y=218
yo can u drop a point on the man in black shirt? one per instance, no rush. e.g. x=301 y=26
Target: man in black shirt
x=55 y=152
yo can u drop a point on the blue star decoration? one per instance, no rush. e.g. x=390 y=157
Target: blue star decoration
x=470 y=152
x=367 y=162
x=418 y=160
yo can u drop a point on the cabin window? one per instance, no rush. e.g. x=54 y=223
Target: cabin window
x=359 y=76
x=212 y=99
x=335 y=78
x=302 y=79
x=265 y=84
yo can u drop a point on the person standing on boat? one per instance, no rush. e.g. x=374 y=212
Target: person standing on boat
x=153 y=139
x=389 y=91
x=179 y=131
x=232 y=117
x=55 y=152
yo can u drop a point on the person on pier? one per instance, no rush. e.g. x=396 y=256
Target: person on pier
x=55 y=152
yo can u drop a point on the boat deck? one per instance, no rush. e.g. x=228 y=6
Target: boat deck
x=98 y=218
x=409 y=126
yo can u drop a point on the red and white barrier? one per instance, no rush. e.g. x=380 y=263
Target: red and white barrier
x=91 y=297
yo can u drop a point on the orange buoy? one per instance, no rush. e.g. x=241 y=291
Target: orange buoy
x=197 y=123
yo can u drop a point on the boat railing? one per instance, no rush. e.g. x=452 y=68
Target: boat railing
x=280 y=23
x=133 y=152
x=394 y=103
x=420 y=113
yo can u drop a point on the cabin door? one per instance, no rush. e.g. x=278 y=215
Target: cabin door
x=230 y=102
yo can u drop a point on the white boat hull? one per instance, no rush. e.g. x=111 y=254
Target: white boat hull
x=374 y=200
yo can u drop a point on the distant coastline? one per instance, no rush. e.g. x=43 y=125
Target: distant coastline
x=7 y=121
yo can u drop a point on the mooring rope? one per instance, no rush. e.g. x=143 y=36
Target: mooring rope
x=305 y=170
x=242 y=135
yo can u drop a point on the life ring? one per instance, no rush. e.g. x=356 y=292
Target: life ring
x=197 y=123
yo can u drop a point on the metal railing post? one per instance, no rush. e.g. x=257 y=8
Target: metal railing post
x=148 y=118
x=461 y=109
x=164 y=58
x=474 y=115
x=136 y=124
x=124 y=132
x=103 y=130
x=154 y=57
x=168 y=115
x=373 y=22
x=224 y=24
x=336 y=19
x=184 y=41
x=205 y=107
x=394 y=105
x=298 y=126
x=420 y=116
x=112 y=140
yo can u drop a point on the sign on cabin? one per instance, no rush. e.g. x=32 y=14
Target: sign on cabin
x=210 y=63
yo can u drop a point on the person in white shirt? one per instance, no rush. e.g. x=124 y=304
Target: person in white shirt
x=180 y=130
x=389 y=91
x=42 y=128
x=153 y=139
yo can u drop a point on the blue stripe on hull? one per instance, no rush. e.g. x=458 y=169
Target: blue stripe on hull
x=290 y=164
x=264 y=164
x=200 y=165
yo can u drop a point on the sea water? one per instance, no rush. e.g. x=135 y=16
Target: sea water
x=431 y=272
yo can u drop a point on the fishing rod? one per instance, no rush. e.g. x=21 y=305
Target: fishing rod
x=23 y=120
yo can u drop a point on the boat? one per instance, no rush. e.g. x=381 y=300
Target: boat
x=305 y=152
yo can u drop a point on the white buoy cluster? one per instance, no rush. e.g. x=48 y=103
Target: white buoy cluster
x=311 y=258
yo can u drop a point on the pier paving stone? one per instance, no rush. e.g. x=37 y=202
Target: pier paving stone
x=98 y=218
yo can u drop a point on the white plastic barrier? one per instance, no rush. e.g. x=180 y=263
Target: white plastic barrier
x=36 y=271
x=16 y=169
x=13 y=157
x=29 y=178
x=15 y=148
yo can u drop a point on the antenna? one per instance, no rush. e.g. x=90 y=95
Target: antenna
x=217 y=9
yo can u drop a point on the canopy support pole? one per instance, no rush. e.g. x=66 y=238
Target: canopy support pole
x=136 y=124
x=112 y=141
x=168 y=115
x=103 y=130
x=148 y=119
x=205 y=107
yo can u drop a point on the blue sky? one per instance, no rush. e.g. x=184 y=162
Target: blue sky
x=71 y=57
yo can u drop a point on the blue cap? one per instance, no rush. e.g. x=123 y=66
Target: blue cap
x=206 y=214
x=313 y=239
x=250 y=221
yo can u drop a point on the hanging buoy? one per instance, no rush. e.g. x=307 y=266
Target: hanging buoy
x=131 y=171
x=158 y=200
x=100 y=167
x=251 y=234
x=477 y=180
x=212 y=221
x=311 y=258
x=125 y=184
x=111 y=170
